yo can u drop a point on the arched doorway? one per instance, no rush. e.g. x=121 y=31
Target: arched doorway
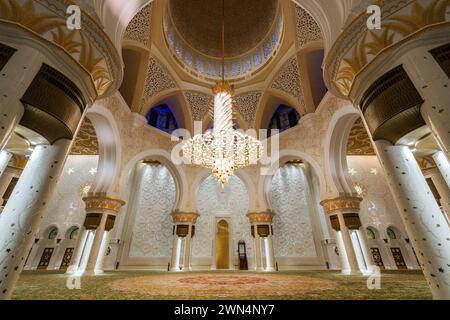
x=222 y=245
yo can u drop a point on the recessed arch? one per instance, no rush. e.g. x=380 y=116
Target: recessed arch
x=270 y=101
x=177 y=103
x=164 y=158
x=284 y=157
x=335 y=151
x=108 y=137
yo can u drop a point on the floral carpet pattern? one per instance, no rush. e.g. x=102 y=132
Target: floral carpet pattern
x=150 y=285
x=223 y=285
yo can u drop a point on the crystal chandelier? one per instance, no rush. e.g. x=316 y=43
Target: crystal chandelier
x=223 y=150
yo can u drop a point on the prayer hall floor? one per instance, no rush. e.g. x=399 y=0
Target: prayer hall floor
x=220 y=285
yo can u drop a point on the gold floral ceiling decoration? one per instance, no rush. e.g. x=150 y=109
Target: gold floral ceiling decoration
x=86 y=142
x=359 y=143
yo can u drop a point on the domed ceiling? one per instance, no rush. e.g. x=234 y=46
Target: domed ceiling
x=247 y=23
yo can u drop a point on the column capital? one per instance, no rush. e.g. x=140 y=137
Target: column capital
x=341 y=204
x=100 y=203
x=261 y=217
x=187 y=217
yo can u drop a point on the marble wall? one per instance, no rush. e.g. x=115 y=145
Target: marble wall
x=378 y=208
x=66 y=207
x=212 y=200
x=293 y=230
x=152 y=225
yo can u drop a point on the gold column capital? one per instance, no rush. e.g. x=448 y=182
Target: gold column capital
x=187 y=217
x=260 y=217
x=342 y=204
x=99 y=202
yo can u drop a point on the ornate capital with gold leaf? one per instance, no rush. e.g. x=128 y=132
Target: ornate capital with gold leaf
x=260 y=217
x=184 y=217
x=89 y=46
x=100 y=203
x=342 y=204
x=357 y=47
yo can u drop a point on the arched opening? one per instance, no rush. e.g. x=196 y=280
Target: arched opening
x=284 y=117
x=310 y=60
x=52 y=233
x=162 y=118
x=134 y=60
x=372 y=234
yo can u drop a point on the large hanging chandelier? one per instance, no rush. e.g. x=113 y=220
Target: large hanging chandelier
x=224 y=149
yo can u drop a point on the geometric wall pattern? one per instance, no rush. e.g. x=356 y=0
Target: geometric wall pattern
x=139 y=28
x=246 y=104
x=307 y=28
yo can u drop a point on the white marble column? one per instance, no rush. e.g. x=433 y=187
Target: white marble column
x=349 y=250
x=187 y=250
x=271 y=266
x=16 y=76
x=182 y=218
x=25 y=209
x=76 y=257
x=174 y=262
x=258 y=253
x=425 y=224
x=95 y=249
x=5 y=156
x=443 y=164
x=102 y=253
x=433 y=85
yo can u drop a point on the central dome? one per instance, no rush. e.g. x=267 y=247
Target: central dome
x=199 y=22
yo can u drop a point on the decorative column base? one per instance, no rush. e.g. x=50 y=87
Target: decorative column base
x=261 y=224
x=101 y=212
x=343 y=212
x=184 y=228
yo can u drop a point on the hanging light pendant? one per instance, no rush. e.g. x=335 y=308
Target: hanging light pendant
x=223 y=150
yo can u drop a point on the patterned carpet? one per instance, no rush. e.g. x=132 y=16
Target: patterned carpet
x=142 y=285
x=223 y=285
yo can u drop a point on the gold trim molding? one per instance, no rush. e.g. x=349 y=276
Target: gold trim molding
x=357 y=46
x=90 y=46
x=260 y=217
x=341 y=203
x=186 y=217
x=96 y=203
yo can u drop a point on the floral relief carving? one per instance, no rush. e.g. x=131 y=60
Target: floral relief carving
x=210 y=200
x=152 y=229
x=292 y=227
x=358 y=46
x=86 y=142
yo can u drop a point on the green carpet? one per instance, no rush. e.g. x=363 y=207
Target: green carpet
x=195 y=285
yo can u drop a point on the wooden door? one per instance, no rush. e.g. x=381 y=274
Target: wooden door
x=398 y=258
x=222 y=246
x=45 y=258
x=66 y=259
